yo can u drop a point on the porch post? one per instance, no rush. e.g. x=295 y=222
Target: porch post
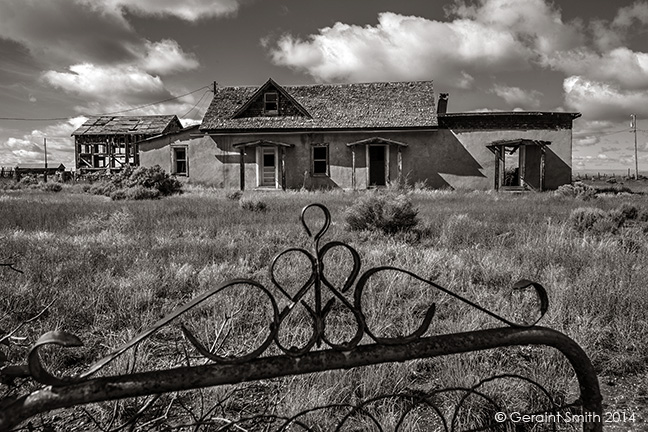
x=242 y=167
x=542 y=168
x=353 y=168
x=283 y=168
x=367 y=163
x=497 y=167
x=400 y=162
x=387 y=173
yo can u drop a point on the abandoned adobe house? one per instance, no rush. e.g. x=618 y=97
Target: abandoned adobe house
x=356 y=136
x=111 y=142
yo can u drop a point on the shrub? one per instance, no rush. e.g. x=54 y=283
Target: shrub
x=26 y=181
x=154 y=178
x=234 y=195
x=596 y=220
x=51 y=187
x=629 y=211
x=134 y=193
x=141 y=183
x=102 y=188
x=252 y=205
x=387 y=213
x=577 y=190
x=614 y=189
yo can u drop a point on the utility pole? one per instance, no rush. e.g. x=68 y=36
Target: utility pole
x=45 y=148
x=634 y=130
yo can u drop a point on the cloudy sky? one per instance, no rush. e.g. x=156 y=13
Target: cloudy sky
x=63 y=60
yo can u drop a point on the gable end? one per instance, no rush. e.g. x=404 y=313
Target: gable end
x=271 y=100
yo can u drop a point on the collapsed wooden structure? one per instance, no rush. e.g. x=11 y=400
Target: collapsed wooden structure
x=111 y=142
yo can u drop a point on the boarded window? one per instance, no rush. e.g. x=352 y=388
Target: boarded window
x=320 y=160
x=180 y=160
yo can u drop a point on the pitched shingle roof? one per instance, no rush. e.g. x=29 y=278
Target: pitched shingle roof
x=129 y=125
x=332 y=106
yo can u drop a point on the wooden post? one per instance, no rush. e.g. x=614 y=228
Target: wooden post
x=497 y=167
x=127 y=150
x=400 y=162
x=353 y=168
x=542 y=168
x=367 y=165
x=283 y=168
x=387 y=149
x=45 y=149
x=242 y=167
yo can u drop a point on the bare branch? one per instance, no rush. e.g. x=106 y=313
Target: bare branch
x=24 y=323
x=11 y=267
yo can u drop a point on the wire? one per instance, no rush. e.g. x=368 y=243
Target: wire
x=196 y=104
x=108 y=113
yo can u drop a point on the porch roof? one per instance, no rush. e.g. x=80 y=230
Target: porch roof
x=377 y=140
x=518 y=142
x=262 y=143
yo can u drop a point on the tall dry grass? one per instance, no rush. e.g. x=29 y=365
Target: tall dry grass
x=113 y=268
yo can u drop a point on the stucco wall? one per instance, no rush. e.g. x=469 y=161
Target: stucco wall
x=557 y=158
x=207 y=163
x=441 y=157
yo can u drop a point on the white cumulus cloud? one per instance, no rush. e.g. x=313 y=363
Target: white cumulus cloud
x=517 y=97
x=106 y=82
x=598 y=100
x=30 y=148
x=188 y=10
x=490 y=36
x=166 y=57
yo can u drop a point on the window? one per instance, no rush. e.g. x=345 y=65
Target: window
x=320 y=160
x=180 y=160
x=271 y=103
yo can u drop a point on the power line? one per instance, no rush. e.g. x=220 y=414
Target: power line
x=108 y=113
x=196 y=104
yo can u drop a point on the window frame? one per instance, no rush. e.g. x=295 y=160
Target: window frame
x=175 y=160
x=267 y=111
x=326 y=160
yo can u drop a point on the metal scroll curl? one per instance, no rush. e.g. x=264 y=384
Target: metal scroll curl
x=347 y=296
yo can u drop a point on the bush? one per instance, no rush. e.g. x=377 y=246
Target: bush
x=51 y=187
x=102 y=188
x=141 y=183
x=577 y=190
x=387 y=213
x=595 y=220
x=154 y=178
x=234 y=195
x=134 y=193
x=614 y=189
x=26 y=181
x=629 y=211
x=253 y=205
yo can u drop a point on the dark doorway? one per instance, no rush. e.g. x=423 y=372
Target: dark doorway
x=377 y=166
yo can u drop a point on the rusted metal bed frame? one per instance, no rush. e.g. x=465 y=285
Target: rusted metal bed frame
x=84 y=388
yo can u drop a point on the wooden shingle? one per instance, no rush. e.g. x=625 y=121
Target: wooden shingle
x=331 y=106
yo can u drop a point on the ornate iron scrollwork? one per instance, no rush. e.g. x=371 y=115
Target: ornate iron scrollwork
x=326 y=297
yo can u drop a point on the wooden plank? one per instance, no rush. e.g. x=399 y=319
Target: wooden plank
x=242 y=167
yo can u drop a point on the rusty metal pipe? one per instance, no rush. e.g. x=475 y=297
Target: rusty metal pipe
x=187 y=378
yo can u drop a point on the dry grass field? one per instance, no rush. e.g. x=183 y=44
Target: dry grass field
x=112 y=268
